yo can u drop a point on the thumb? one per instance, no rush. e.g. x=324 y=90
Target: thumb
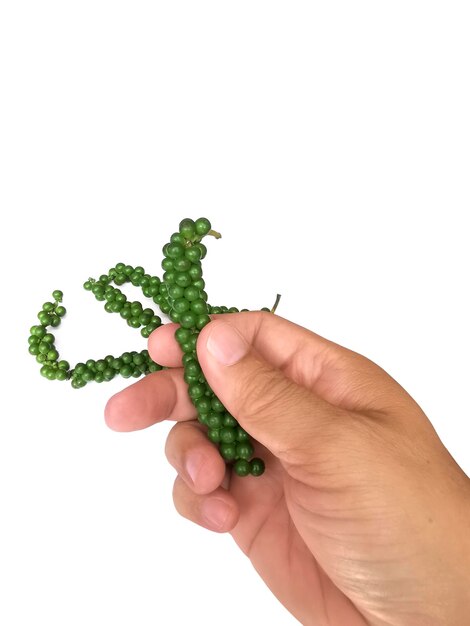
x=282 y=415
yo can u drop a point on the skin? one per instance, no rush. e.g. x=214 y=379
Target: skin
x=362 y=516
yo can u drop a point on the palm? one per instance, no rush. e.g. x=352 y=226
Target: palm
x=268 y=534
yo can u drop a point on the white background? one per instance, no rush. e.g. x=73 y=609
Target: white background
x=327 y=141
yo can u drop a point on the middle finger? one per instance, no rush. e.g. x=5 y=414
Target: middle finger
x=194 y=457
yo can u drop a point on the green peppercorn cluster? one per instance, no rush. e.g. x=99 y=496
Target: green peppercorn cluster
x=41 y=342
x=182 y=297
x=135 y=364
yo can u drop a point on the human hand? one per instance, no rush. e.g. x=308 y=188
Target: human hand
x=362 y=516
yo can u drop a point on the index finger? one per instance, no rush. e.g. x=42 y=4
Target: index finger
x=159 y=396
x=163 y=347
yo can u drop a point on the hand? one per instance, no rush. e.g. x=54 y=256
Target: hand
x=362 y=516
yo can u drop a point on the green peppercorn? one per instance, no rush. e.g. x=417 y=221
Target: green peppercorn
x=203 y=405
x=230 y=421
x=228 y=451
x=193 y=254
x=52 y=355
x=57 y=295
x=202 y=226
x=214 y=435
x=181 y=305
x=182 y=335
x=108 y=373
x=244 y=450
x=257 y=467
x=196 y=390
x=214 y=420
x=217 y=405
x=227 y=434
x=182 y=265
x=175 y=292
x=44 y=318
x=242 y=467
x=187 y=229
x=188 y=320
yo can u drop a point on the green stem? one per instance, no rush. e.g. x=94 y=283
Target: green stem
x=278 y=297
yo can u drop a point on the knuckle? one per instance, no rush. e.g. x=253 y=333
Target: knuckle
x=181 y=500
x=176 y=494
x=183 y=436
x=260 y=394
x=173 y=444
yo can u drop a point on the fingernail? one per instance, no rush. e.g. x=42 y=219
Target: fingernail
x=193 y=465
x=215 y=512
x=226 y=344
